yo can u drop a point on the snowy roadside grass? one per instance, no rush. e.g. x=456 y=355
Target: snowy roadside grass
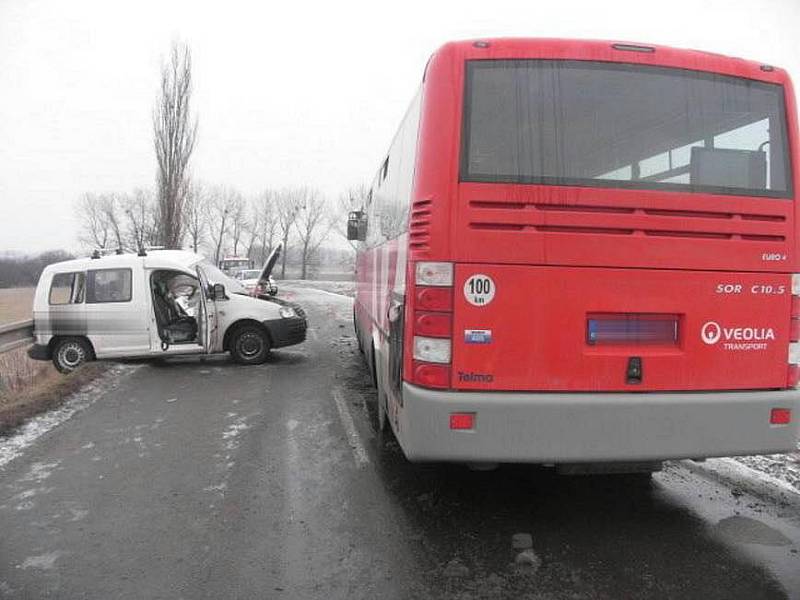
x=18 y=372
x=26 y=395
x=785 y=467
x=345 y=288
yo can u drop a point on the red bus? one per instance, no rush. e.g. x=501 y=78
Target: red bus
x=582 y=252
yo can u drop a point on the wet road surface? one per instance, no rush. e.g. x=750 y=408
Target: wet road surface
x=204 y=479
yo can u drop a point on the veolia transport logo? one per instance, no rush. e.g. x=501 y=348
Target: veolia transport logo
x=711 y=332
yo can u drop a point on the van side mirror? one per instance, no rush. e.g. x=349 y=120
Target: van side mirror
x=357 y=226
x=218 y=292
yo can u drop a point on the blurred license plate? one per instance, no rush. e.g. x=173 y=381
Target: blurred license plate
x=632 y=329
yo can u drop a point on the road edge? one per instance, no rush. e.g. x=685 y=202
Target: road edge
x=735 y=475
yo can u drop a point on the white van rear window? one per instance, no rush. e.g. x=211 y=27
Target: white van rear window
x=67 y=288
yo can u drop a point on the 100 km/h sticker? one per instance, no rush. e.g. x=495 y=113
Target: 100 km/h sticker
x=479 y=289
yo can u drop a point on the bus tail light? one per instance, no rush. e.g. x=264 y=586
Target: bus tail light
x=434 y=273
x=780 y=416
x=433 y=324
x=433 y=350
x=794 y=376
x=793 y=373
x=432 y=375
x=435 y=298
x=462 y=421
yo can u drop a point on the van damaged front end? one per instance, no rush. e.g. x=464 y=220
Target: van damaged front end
x=290 y=328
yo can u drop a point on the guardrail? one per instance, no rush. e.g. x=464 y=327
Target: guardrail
x=14 y=335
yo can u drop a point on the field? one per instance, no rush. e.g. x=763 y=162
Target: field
x=15 y=304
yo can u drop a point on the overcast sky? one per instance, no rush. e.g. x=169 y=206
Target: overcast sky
x=286 y=92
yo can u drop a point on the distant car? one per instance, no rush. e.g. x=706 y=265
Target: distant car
x=248 y=278
x=166 y=303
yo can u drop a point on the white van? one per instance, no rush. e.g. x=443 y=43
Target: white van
x=158 y=304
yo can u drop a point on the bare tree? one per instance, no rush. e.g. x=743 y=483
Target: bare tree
x=288 y=203
x=174 y=134
x=253 y=228
x=237 y=220
x=313 y=225
x=139 y=209
x=93 y=229
x=195 y=213
x=219 y=209
x=111 y=206
x=268 y=219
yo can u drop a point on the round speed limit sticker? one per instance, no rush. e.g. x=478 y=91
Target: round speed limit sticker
x=479 y=289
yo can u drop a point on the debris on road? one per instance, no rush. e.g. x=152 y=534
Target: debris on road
x=456 y=569
x=528 y=559
x=521 y=541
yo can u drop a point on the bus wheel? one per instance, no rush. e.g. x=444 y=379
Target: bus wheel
x=381 y=412
x=358 y=333
x=71 y=353
x=373 y=373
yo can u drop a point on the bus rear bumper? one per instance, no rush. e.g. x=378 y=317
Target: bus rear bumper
x=588 y=427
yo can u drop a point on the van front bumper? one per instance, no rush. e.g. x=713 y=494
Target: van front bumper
x=594 y=427
x=286 y=332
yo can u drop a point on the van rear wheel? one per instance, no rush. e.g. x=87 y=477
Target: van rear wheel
x=249 y=345
x=71 y=353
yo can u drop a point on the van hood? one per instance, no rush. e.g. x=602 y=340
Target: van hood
x=270 y=263
x=261 y=307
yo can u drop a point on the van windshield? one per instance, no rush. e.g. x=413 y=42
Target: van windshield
x=214 y=275
x=619 y=125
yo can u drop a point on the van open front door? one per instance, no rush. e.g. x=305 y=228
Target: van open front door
x=207 y=317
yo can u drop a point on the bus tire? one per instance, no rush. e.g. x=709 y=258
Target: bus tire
x=381 y=412
x=69 y=353
x=373 y=374
x=358 y=333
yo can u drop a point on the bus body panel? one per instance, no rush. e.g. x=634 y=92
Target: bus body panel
x=566 y=259
x=539 y=319
x=568 y=428
x=545 y=224
x=447 y=234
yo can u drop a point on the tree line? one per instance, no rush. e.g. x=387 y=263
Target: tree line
x=215 y=220
x=24 y=271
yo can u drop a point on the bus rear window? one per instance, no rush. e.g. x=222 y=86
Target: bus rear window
x=619 y=125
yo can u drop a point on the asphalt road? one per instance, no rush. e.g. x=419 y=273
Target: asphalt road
x=203 y=479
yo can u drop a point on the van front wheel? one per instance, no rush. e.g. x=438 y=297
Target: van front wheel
x=71 y=353
x=249 y=345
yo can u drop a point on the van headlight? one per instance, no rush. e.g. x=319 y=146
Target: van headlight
x=287 y=312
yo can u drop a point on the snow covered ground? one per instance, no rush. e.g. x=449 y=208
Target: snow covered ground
x=785 y=467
